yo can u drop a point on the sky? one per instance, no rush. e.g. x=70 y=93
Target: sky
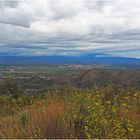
x=70 y=27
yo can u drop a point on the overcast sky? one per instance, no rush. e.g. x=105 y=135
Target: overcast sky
x=70 y=27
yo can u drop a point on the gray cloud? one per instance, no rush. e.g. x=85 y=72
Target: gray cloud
x=45 y=27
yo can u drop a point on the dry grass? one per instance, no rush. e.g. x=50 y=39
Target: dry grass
x=46 y=118
x=85 y=114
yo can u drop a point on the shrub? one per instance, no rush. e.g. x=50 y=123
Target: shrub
x=10 y=86
x=99 y=118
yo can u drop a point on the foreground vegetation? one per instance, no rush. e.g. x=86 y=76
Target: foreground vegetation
x=109 y=112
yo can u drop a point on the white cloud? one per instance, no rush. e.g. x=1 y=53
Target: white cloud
x=82 y=24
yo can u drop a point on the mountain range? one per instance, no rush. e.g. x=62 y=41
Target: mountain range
x=97 y=60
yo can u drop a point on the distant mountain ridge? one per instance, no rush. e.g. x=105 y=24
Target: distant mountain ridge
x=89 y=59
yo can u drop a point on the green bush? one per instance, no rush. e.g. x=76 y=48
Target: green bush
x=10 y=87
x=96 y=117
